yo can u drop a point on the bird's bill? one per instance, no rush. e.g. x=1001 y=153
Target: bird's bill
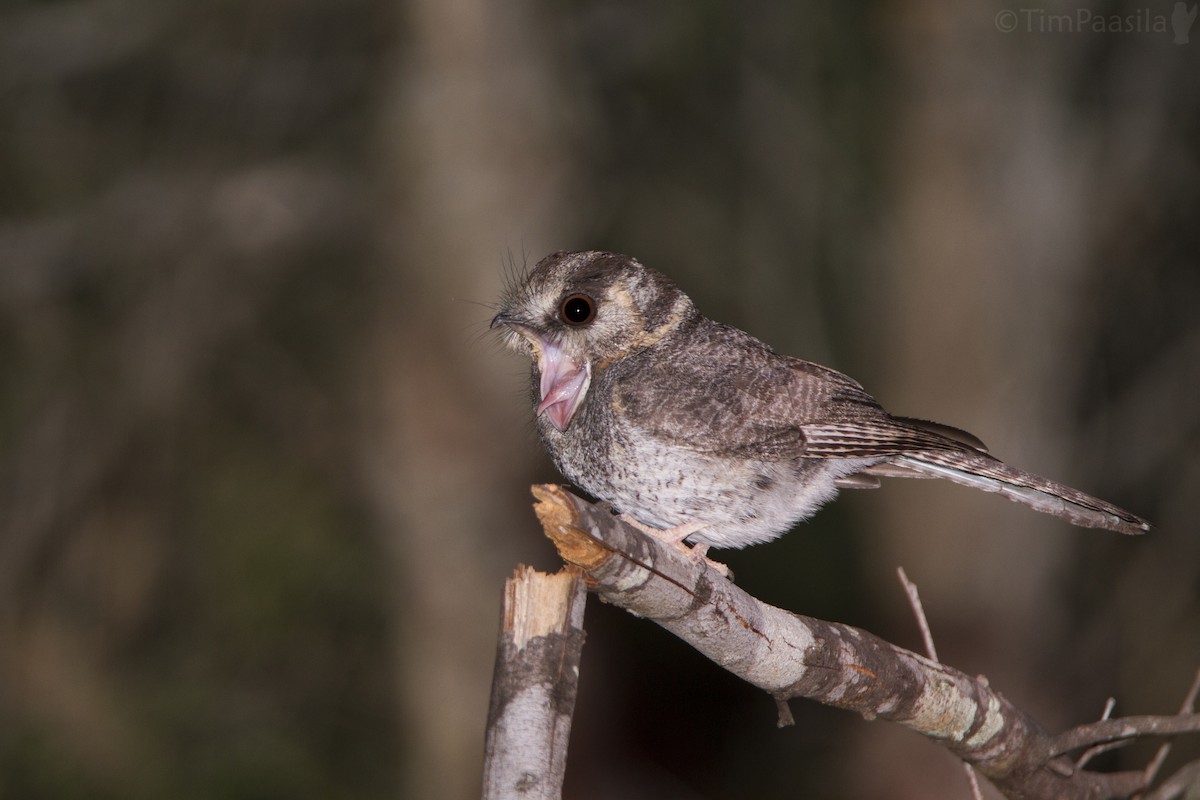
x=564 y=380
x=564 y=383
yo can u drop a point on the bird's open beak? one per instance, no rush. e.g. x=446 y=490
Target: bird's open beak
x=564 y=380
x=564 y=384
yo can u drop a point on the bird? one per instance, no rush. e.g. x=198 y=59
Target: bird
x=702 y=434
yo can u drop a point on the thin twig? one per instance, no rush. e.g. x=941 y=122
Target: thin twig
x=973 y=782
x=1095 y=750
x=914 y=600
x=1188 y=705
x=1122 y=728
x=1185 y=779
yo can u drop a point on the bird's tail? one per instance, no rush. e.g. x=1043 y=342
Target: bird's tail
x=912 y=448
x=979 y=470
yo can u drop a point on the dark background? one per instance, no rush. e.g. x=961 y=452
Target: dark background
x=264 y=470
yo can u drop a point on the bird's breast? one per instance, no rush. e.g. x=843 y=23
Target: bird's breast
x=741 y=500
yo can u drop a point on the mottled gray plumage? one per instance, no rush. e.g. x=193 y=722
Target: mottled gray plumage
x=677 y=420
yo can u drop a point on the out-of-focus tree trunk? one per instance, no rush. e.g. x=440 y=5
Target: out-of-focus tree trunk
x=473 y=140
x=1000 y=185
x=983 y=296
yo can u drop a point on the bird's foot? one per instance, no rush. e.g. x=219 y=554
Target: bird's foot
x=674 y=537
x=699 y=552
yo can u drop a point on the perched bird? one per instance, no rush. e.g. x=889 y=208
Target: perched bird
x=703 y=433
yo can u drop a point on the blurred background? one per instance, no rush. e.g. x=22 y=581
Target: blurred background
x=264 y=470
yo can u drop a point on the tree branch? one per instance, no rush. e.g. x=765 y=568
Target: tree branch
x=789 y=655
x=1113 y=730
x=534 y=685
x=914 y=600
x=1151 y=771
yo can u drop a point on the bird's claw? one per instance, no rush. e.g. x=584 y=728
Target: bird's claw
x=674 y=537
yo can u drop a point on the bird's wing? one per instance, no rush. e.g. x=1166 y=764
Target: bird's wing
x=882 y=436
x=742 y=401
x=720 y=390
x=726 y=392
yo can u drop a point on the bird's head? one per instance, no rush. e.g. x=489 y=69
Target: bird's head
x=575 y=314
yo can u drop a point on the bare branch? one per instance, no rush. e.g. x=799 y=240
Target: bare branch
x=1188 y=705
x=1187 y=778
x=914 y=599
x=1113 y=730
x=789 y=655
x=1095 y=750
x=534 y=685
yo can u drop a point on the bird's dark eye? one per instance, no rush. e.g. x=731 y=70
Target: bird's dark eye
x=578 y=309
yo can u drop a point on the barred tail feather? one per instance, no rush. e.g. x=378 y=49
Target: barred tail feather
x=981 y=471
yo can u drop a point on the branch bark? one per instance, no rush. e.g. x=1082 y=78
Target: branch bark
x=534 y=685
x=789 y=655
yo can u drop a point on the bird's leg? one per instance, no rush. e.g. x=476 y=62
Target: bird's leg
x=674 y=538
